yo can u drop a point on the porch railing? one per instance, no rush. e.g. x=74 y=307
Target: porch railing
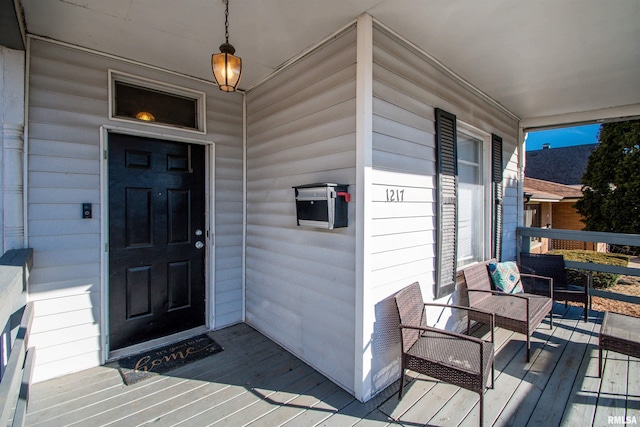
x=16 y=315
x=526 y=234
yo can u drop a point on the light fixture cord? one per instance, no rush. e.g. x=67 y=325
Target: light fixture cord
x=226 y=20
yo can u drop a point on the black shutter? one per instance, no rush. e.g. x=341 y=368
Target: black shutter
x=496 y=178
x=447 y=197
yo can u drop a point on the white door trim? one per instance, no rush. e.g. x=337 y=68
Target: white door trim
x=104 y=229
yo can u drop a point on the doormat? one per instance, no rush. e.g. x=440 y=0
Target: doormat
x=160 y=360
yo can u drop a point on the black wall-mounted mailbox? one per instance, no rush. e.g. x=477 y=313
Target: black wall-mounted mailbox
x=322 y=205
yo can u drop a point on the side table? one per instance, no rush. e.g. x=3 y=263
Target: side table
x=619 y=333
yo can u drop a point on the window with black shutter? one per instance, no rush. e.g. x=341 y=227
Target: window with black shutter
x=469 y=198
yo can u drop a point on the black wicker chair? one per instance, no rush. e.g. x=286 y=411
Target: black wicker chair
x=450 y=357
x=563 y=290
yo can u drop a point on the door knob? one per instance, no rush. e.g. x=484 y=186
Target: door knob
x=199 y=245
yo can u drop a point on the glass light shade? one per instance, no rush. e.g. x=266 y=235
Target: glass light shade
x=145 y=116
x=227 y=69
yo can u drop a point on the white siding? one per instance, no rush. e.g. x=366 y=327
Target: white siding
x=511 y=208
x=407 y=88
x=301 y=124
x=301 y=282
x=68 y=102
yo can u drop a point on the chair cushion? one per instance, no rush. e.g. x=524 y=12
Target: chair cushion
x=506 y=277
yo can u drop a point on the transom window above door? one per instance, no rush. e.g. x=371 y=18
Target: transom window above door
x=153 y=103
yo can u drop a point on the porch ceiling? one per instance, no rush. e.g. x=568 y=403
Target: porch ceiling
x=542 y=58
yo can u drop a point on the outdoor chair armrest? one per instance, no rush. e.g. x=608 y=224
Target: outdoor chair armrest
x=579 y=272
x=487 y=291
x=535 y=276
x=444 y=332
x=522 y=269
x=588 y=278
x=504 y=294
x=462 y=307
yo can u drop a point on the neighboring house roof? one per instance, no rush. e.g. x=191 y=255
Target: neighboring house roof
x=564 y=165
x=546 y=191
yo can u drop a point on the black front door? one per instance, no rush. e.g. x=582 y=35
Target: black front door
x=156 y=238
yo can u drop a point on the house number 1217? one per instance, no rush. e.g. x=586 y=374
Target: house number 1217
x=395 y=195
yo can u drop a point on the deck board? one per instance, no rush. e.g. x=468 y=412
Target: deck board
x=541 y=370
x=322 y=410
x=255 y=382
x=560 y=384
x=286 y=409
x=633 y=389
x=412 y=393
x=613 y=389
x=581 y=406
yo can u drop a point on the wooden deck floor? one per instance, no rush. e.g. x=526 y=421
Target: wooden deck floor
x=255 y=382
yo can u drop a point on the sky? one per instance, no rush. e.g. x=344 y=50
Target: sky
x=565 y=137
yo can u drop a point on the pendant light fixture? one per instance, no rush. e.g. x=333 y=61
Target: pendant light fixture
x=227 y=68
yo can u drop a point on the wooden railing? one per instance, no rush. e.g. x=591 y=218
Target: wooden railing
x=14 y=387
x=16 y=316
x=525 y=234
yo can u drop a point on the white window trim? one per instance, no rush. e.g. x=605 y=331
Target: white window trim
x=485 y=137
